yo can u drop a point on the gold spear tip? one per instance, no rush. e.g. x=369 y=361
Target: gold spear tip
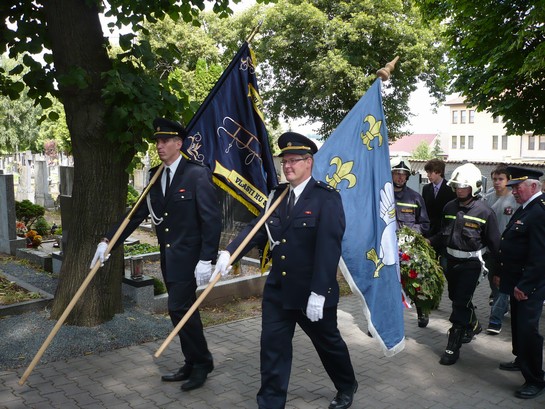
x=384 y=73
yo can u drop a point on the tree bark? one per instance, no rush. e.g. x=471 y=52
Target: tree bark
x=100 y=180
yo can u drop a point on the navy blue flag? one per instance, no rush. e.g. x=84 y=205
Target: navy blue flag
x=355 y=160
x=228 y=135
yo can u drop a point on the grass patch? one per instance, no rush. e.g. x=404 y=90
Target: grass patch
x=11 y=293
x=233 y=311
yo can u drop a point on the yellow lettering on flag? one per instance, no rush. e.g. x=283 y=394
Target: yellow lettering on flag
x=254 y=195
x=257 y=102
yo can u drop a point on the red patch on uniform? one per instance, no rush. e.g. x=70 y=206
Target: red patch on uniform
x=308 y=212
x=181 y=190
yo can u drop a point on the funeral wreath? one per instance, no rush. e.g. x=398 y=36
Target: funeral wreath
x=421 y=274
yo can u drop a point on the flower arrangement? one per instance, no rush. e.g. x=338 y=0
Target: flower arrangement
x=33 y=239
x=421 y=275
x=20 y=229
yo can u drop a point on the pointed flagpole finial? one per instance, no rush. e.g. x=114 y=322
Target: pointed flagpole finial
x=254 y=32
x=384 y=73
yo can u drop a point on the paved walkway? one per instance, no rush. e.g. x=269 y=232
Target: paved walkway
x=130 y=377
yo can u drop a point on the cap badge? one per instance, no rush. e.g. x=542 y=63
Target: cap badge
x=289 y=144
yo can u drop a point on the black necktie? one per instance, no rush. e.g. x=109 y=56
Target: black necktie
x=167 y=184
x=291 y=202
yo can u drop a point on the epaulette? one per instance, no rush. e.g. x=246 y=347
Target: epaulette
x=280 y=186
x=194 y=162
x=542 y=202
x=325 y=186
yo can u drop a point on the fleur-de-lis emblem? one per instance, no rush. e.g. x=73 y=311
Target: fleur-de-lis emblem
x=372 y=133
x=343 y=172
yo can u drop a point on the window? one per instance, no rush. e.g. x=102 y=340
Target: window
x=496 y=119
x=454 y=117
x=463 y=116
x=504 y=142
x=495 y=142
x=470 y=142
x=462 y=141
x=471 y=116
x=531 y=142
x=454 y=142
x=541 y=142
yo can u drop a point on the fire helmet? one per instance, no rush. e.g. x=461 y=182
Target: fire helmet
x=466 y=175
x=397 y=163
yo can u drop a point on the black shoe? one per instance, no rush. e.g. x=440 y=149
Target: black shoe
x=529 y=391
x=510 y=366
x=197 y=377
x=449 y=357
x=493 y=329
x=471 y=332
x=343 y=400
x=452 y=351
x=182 y=375
x=423 y=321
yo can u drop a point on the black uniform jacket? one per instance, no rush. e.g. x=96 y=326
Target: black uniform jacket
x=191 y=226
x=468 y=228
x=522 y=249
x=435 y=204
x=309 y=248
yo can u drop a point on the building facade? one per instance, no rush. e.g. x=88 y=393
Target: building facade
x=478 y=136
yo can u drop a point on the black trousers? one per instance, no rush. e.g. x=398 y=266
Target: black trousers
x=527 y=341
x=462 y=278
x=278 y=327
x=181 y=296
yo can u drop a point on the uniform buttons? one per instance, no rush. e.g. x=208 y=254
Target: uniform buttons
x=183 y=197
x=271 y=222
x=282 y=257
x=167 y=246
x=501 y=264
x=166 y=214
x=284 y=273
x=283 y=240
x=166 y=229
x=304 y=224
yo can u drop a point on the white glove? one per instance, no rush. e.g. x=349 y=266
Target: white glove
x=99 y=254
x=315 y=307
x=203 y=271
x=222 y=265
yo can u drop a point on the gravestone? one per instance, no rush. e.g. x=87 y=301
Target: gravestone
x=66 y=174
x=9 y=242
x=25 y=190
x=41 y=185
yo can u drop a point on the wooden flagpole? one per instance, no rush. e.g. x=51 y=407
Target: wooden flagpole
x=213 y=283
x=88 y=279
x=384 y=72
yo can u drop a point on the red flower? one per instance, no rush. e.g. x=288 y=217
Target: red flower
x=418 y=289
x=412 y=273
x=405 y=257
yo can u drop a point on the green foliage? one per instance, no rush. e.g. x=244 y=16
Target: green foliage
x=495 y=54
x=320 y=57
x=28 y=212
x=436 y=152
x=41 y=226
x=132 y=196
x=158 y=287
x=140 y=248
x=422 y=151
x=422 y=277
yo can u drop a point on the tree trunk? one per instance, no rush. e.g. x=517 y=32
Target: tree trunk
x=100 y=180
